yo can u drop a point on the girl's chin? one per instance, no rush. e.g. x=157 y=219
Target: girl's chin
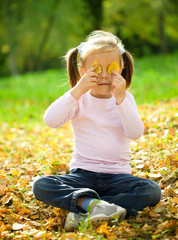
x=101 y=94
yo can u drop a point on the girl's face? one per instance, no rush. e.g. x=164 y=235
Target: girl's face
x=104 y=80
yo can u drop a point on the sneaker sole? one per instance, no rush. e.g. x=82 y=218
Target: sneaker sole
x=117 y=217
x=71 y=224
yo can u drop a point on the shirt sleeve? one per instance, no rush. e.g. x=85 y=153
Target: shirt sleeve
x=61 y=111
x=130 y=119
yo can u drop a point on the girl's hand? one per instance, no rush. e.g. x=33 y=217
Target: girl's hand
x=87 y=81
x=119 y=87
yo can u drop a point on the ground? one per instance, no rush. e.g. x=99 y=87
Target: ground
x=27 y=151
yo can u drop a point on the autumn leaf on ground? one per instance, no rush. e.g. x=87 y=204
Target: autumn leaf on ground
x=28 y=152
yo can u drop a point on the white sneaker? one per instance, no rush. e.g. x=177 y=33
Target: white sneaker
x=72 y=221
x=100 y=211
x=103 y=211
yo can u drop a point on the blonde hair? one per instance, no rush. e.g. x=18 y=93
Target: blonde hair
x=98 y=41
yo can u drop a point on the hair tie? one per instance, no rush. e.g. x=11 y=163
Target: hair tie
x=121 y=48
x=80 y=47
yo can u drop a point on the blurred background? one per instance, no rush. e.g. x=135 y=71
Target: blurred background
x=35 y=34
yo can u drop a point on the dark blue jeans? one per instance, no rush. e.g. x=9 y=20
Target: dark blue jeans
x=130 y=192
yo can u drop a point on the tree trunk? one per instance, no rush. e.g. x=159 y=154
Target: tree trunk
x=11 y=39
x=161 y=25
x=47 y=33
x=96 y=9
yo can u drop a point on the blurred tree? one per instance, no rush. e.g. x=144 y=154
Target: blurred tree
x=33 y=34
x=161 y=7
x=96 y=10
x=47 y=31
x=10 y=20
x=142 y=24
x=11 y=36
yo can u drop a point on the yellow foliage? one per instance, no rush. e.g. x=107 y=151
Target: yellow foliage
x=113 y=67
x=98 y=69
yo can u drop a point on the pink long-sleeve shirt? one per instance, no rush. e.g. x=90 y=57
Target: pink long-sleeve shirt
x=102 y=130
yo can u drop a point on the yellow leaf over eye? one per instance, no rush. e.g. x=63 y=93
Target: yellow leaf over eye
x=114 y=66
x=98 y=69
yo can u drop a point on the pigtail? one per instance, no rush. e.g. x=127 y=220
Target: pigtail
x=127 y=71
x=72 y=67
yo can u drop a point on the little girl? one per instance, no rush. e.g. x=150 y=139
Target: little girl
x=104 y=117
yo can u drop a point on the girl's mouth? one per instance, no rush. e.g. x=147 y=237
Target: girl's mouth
x=103 y=84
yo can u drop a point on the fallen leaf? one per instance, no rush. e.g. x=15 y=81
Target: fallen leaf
x=40 y=235
x=170 y=224
x=25 y=212
x=2 y=190
x=103 y=229
x=17 y=226
x=174 y=200
x=6 y=199
x=154 y=176
x=15 y=172
x=153 y=214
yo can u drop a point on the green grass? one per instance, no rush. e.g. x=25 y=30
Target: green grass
x=23 y=99
x=155 y=78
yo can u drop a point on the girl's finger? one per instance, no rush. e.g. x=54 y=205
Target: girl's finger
x=92 y=75
x=115 y=73
x=93 y=84
x=118 y=77
x=94 y=79
x=92 y=68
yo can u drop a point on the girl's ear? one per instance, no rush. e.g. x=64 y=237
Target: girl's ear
x=82 y=70
x=120 y=71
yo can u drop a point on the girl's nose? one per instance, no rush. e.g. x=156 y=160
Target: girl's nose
x=104 y=74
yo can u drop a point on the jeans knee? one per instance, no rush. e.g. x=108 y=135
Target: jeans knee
x=36 y=187
x=154 y=193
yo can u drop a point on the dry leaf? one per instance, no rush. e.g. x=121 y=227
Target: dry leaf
x=6 y=199
x=24 y=158
x=103 y=229
x=15 y=172
x=25 y=212
x=98 y=69
x=113 y=67
x=154 y=176
x=2 y=190
x=170 y=224
x=17 y=226
x=153 y=214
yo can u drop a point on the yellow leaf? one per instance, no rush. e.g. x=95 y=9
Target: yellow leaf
x=103 y=229
x=153 y=214
x=173 y=209
x=170 y=192
x=113 y=67
x=68 y=236
x=98 y=69
x=24 y=211
x=21 y=183
x=169 y=224
x=35 y=216
x=15 y=172
x=175 y=200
